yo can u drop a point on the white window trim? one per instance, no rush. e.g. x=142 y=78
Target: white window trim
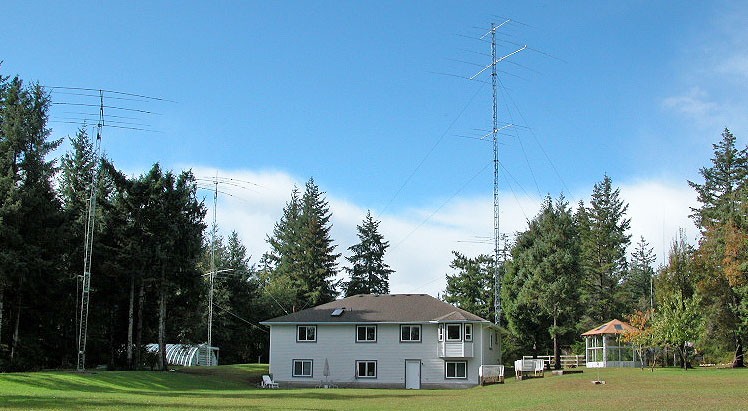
x=447 y=332
x=367 y=368
x=311 y=368
x=298 y=327
x=465 y=332
x=366 y=341
x=420 y=332
x=446 y=367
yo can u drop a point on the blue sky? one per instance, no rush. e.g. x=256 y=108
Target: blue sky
x=366 y=98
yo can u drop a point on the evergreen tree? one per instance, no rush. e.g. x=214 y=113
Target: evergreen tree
x=722 y=257
x=235 y=299
x=302 y=253
x=472 y=286
x=30 y=232
x=547 y=261
x=723 y=191
x=604 y=240
x=319 y=261
x=638 y=281
x=368 y=272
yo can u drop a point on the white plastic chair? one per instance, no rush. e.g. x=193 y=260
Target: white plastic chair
x=267 y=382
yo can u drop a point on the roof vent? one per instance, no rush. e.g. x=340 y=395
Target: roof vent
x=337 y=312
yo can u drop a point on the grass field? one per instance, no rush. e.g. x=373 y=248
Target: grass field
x=233 y=387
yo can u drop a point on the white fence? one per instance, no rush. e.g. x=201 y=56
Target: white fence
x=567 y=361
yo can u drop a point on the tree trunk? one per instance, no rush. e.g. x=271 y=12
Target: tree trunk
x=2 y=295
x=162 y=323
x=139 y=327
x=14 y=344
x=739 y=356
x=130 y=322
x=556 y=348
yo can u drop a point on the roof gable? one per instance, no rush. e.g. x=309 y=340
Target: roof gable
x=365 y=308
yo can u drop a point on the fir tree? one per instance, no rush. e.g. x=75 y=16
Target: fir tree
x=723 y=191
x=319 y=264
x=547 y=262
x=604 y=239
x=368 y=272
x=638 y=282
x=472 y=286
x=302 y=253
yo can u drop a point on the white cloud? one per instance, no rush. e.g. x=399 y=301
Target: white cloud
x=658 y=210
x=693 y=103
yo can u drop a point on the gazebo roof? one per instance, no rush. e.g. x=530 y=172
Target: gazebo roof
x=611 y=327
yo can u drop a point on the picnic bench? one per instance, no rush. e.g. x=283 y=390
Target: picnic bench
x=529 y=368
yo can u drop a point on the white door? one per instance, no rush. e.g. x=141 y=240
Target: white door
x=413 y=374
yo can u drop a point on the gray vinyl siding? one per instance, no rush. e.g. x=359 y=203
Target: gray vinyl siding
x=337 y=343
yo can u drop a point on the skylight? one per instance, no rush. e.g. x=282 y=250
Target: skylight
x=618 y=327
x=337 y=312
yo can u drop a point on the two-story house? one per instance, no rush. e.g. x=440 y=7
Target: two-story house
x=395 y=341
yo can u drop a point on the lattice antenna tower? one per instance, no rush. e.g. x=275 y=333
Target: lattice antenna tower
x=213 y=270
x=80 y=93
x=494 y=136
x=212 y=275
x=88 y=240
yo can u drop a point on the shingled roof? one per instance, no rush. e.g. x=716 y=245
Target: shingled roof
x=611 y=327
x=375 y=308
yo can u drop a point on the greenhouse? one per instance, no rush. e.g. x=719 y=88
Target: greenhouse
x=605 y=348
x=187 y=355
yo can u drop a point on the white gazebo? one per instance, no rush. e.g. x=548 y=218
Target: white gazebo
x=606 y=349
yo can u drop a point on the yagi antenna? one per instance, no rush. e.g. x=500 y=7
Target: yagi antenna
x=496 y=60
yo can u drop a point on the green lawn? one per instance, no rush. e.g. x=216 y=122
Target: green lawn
x=233 y=387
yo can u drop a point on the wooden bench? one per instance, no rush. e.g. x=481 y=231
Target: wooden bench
x=491 y=374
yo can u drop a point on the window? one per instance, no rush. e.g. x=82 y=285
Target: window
x=441 y=332
x=366 y=333
x=302 y=368
x=306 y=333
x=456 y=369
x=468 y=332
x=454 y=332
x=410 y=333
x=366 y=369
x=490 y=341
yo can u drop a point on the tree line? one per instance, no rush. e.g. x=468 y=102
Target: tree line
x=152 y=256
x=569 y=272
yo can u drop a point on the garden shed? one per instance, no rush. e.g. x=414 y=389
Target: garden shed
x=187 y=355
x=604 y=347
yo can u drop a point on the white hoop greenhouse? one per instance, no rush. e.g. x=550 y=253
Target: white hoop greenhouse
x=187 y=355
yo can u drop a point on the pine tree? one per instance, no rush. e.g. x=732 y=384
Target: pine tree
x=547 y=261
x=604 y=243
x=638 y=281
x=722 y=256
x=31 y=231
x=368 y=272
x=302 y=253
x=722 y=195
x=319 y=264
x=472 y=286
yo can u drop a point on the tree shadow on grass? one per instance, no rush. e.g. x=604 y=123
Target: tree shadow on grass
x=266 y=400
